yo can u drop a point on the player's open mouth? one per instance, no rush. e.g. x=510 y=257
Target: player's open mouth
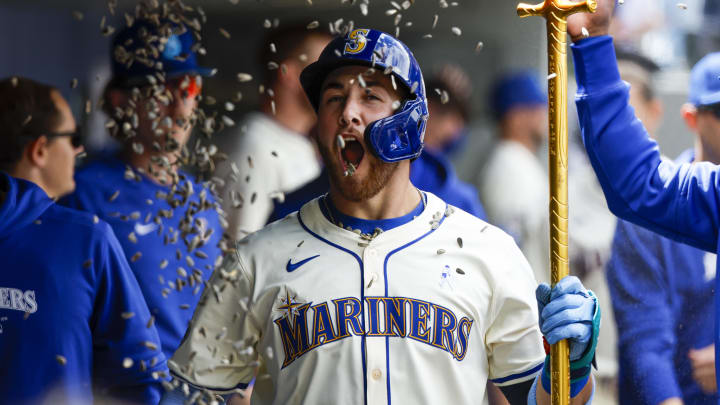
x=351 y=153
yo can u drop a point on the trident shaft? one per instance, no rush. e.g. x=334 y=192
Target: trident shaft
x=556 y=13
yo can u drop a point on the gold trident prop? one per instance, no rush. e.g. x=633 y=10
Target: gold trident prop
x=556 y=13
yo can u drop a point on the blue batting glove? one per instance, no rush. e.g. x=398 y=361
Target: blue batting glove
x=566 y=312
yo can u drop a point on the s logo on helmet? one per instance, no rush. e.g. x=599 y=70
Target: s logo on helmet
x=357 y=40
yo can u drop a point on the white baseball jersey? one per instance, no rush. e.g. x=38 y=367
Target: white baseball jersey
x=424 y=313
x=282 y=161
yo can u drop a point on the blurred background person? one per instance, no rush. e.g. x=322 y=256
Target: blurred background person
x=448 y=103
x=73 y=321
x=272 y=153
x=663 y=291
x=167 y=224
x=514 y=182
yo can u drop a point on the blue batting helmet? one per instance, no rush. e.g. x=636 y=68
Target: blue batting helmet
x=399 y=136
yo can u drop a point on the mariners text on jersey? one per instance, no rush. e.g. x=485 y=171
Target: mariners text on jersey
x=12 y=298
x=402 y=317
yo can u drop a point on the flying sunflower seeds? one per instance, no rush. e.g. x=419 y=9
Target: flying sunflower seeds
x=127 y=315
x=224 y=33
x=127 y=362
x=60 y=359
x=457 y=31
x=73 y=83
x=313 y=25
x=460 y=242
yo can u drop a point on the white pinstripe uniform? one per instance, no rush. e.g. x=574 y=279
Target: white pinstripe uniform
x=332 y=319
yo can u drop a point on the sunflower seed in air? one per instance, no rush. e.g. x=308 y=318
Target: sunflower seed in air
x=60 y=359
x=391 y=11
x=127 y=362
x=272 y=65
x=552 y=76
x=78 y=15
x=150 y=321
x=127 y=315
x=479 y=47
x=585 y=32
x=136 y=257
x=87 y=263
x=460 y=271
x=414 y=87
x=313 y=25
x=440 y=251
x=682 y=6
x=184 y=306
x=427 y=36
x=224 y=33
x=457 y=31
x=301 y=242
x=73 y=83
x=114 y=196
x=37 y=222
x=96 y=219
x=244 y=77
x=459 y=242
x=14 y=81
x=364 y=9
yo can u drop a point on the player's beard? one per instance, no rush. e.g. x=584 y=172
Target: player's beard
x=354 y=188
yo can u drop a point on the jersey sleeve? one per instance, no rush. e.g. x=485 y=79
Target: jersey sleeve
x=128 y=362
x=641 y=300
x=513 y=338
x=218 y=350
x=679 y=201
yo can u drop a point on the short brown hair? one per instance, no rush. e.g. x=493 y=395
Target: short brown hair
x=27 y=110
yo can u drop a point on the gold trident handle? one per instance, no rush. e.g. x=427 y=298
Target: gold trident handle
x=556 y=13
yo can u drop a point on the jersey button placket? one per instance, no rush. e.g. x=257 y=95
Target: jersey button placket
x=372 y=268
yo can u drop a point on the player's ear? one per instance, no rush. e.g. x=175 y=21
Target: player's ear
x=689 y=114
x=37 y=152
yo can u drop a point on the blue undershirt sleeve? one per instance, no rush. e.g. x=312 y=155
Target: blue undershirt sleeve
x=641 y=300
x=679 y=201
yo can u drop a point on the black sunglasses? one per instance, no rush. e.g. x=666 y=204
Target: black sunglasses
x=76 y=137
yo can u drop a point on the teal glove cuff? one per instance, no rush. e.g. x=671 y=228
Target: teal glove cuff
x=589 y=355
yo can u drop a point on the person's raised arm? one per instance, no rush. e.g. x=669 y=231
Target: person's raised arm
x=678 y=201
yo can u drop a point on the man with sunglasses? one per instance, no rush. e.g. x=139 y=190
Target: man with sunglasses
x=167 y=224
x=73 y=322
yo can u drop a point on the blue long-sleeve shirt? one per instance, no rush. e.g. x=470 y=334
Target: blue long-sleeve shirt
x=171 y=276
x=72 y=317
x=680 y=201
x=662 y=297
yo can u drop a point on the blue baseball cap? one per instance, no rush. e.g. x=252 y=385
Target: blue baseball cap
x=705 y=81
x=146 y=48
x=516 y=89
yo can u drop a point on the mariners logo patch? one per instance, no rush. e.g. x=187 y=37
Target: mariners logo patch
x=304 y=326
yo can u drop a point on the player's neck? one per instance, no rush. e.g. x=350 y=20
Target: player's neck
x=398 y=198
x=144 y=162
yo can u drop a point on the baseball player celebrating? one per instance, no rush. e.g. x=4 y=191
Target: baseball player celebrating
x=377 y=292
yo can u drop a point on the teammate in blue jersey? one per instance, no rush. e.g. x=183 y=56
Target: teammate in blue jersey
x=662 y=294
x=73 y=321
x=377 y=292
x=167 y=223
x=679 y=201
